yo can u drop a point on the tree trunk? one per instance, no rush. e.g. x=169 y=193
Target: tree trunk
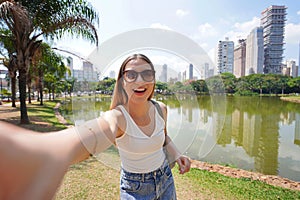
x=13 y=90
x=53 y=91
x=29 y=93
x=41 y=86
x=22 y=89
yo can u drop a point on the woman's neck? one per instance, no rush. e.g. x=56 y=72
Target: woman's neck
x=138 y=109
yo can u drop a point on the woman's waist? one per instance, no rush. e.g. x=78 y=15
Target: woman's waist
x=144 y=176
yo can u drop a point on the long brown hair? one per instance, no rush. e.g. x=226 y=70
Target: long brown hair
x=119 y=96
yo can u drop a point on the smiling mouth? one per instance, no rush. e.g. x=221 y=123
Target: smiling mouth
x=140 y=90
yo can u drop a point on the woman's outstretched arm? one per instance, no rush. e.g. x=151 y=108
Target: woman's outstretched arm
x=32 y=164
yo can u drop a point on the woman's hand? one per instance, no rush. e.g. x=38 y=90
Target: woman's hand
x=184 y=164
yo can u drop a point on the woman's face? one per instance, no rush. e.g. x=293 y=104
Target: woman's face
x=138 y=80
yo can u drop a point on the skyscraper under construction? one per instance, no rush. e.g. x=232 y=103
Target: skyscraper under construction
x=273 y=21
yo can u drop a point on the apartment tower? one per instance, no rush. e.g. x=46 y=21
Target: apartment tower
x=239 y=59
x=255 y=52
x=225 y=56
x=273 y=21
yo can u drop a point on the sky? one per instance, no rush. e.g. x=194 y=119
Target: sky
x=205 y=22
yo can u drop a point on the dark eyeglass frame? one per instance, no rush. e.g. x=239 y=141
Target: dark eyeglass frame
x=142 y=74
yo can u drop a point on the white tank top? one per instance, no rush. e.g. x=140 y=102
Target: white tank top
x=140 y=153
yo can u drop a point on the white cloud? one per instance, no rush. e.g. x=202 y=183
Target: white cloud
x=292 y=33
x=181 y=13
x=160 y=26
x=204 y=45
x=241 y=30
x=212 y=55
x=207 y=30
x=298 y=13
x=248 y=25
x=235 y=36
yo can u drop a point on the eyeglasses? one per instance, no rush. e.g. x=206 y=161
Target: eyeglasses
x=131 y=75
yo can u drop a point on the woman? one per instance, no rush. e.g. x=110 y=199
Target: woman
x=133 y=124
x=140 y=136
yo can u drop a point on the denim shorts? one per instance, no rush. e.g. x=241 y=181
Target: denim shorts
x=158 y=184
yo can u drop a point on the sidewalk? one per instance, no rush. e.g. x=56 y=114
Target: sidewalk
x=7 y=112
x=12 y=115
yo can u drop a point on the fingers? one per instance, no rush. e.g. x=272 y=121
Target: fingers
x=184 y=164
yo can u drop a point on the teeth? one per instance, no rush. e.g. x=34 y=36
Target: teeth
x=140 y=90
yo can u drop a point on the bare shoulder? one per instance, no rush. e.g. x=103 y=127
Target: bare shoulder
x=114 y=115
x=118 y=119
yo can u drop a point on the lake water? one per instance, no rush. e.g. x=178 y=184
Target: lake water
x=260 y=134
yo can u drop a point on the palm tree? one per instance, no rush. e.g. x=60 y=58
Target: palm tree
x=28 y=21
x=9 y=60
x=47 y=61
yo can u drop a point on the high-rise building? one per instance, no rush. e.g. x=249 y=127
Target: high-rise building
x=191 y=72
x=184 y=76
x=225 y=56
x=179 y=76
x=240 y=59
x=164 y=74
x=88 y=72
x=293 y=68
x=255 y=52
x=273 y=21
x=206 y=71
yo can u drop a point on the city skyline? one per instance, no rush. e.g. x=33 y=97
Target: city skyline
x=205 y=23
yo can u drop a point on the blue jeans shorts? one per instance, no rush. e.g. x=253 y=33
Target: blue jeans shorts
x=158 y=184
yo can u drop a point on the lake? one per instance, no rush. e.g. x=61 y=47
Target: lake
x=260 y=134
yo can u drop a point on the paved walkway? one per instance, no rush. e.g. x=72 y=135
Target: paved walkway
x=6 y=111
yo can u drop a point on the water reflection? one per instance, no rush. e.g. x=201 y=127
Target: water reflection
x=254 y=133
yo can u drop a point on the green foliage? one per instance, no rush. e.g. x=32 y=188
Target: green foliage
x=161 y=86
x=106 y=85
x=246 y=93
x=295 y=82
x=27 y=20
x=53 y=18
x=215 y=84
x=251 y=85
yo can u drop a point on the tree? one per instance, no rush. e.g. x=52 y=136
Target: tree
x=199 y=86
x=215 y=84
x=48 y=62
x=106 y=85
x=8 y=53
x=229 y=81
x=294 y=82
x=161 y=87
x=29 y=20
x=257 y=82
x=282 y=82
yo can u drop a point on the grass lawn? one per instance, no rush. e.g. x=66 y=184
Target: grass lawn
x=92 y=179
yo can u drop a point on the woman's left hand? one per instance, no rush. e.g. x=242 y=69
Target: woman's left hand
x=184 y=164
